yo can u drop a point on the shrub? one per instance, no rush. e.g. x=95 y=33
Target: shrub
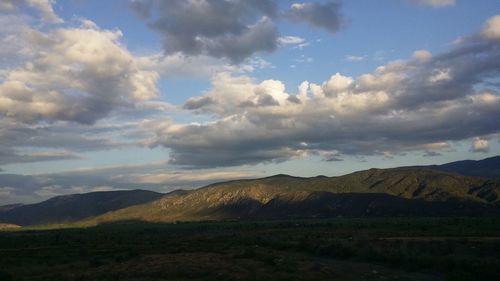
x=4 y=276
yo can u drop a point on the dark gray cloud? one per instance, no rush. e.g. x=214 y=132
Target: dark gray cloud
x=428 y=153
x=82 y=138
x=142 y=8
x=230 y=29
x=197 y=102
x=333 y=157
x=234 y=29
x=453 y=74
x=323 y=15
x=23 y=143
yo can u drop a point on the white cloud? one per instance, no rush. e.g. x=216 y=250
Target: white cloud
x=14 y=49
x=480 y=145
x=440 y=75
x=436 y=145
x=435 y=3
x=290 y=40
x=55 y=82
x=44 y=7
x=422 y=55
x=225 y=86
x=355 y=58
x=75 y=74
x=491 y=29
x=337 y=84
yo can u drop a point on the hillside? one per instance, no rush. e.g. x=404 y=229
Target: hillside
x=7 y=226
x=406 y=191
x=9 y=207
x=486 y=168
x=70 y=208
x=374 y=192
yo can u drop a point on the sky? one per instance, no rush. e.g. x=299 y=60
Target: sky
x=161 y=95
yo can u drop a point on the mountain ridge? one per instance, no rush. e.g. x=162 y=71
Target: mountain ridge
x=378 y=192
x=486 y=168
x=72 y=207
x=411 y=190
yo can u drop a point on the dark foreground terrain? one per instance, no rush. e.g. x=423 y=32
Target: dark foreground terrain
x=323 y=249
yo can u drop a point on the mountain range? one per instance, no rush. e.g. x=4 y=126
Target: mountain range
x=457 y=188
x=486 y=168
x=74 y=207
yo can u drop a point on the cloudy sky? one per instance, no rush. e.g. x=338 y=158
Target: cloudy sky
x=160 y=95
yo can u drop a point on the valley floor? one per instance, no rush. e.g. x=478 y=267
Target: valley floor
x=322 y=249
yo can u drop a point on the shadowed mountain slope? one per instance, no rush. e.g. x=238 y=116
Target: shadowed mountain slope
x=374 y=192
x=407 y=191
x=9 y=207
x=486 y=168
x=70 y=208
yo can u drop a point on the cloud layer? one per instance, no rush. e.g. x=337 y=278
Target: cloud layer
x=153 y=176
x=435 y=3
x=402 y=106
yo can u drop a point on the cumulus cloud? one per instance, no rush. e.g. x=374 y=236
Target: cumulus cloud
x=422 y=55
x=13 y=49
x=435 y=3
x=323 y=15
x=224 y=29
x=491 y=29
x=233 y=30
x=56 y=80
x=420 y=104
x=480 y=145
x=44 y=7
x=75 y=74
